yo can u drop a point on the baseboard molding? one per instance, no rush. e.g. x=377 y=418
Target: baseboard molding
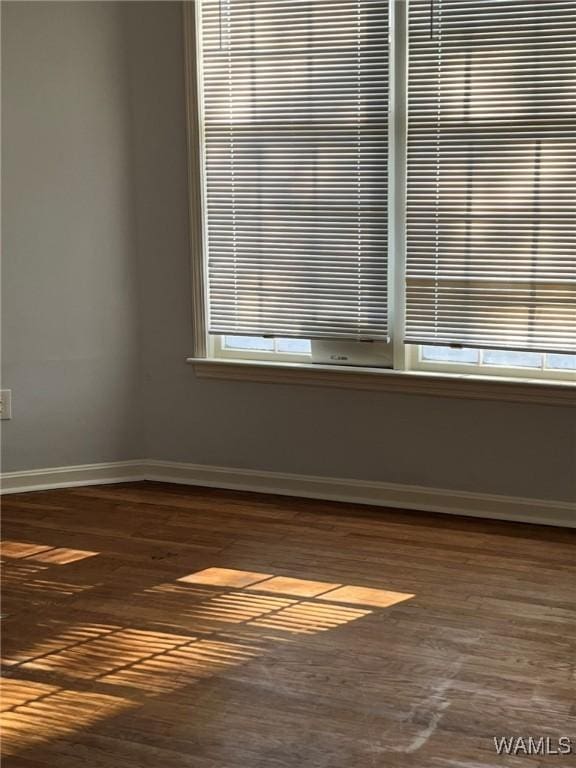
x=69 y=477
x=394 y=495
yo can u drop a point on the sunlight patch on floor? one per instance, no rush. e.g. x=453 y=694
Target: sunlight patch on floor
x=42 y=553
x=124 y=665
x=35 y=713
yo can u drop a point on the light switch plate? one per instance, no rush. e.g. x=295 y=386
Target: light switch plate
x=5 y=403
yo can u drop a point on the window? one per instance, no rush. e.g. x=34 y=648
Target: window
x=307 y=120
x=491 y=224
x=295 y=136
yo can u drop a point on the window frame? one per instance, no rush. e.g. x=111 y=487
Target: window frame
x=219 y=351
x=407 y=357
x=416 y=363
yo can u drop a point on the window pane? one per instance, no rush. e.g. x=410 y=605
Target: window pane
x=449 y=355
x=248 y=342
x=562 y=362
x=294 y=346
x=512 y=359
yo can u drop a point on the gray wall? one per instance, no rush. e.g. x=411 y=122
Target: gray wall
x=70 y=289
x=523 y=450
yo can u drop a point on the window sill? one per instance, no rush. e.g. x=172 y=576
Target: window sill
x=463 y=386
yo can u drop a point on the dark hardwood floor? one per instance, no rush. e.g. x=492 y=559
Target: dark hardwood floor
x=177 y=627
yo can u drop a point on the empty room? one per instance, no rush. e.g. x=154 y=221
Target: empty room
x=288 y=394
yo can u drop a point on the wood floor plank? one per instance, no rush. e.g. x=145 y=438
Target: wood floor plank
x=163 y=626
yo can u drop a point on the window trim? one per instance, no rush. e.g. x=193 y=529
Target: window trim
x=425 y=383
x=410 y=375
x=191 y=19
x=413 y=364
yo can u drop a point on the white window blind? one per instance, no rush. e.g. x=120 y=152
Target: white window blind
x=491 y=217
x=295 y=132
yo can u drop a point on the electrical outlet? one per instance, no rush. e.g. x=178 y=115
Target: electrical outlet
x=5 y=403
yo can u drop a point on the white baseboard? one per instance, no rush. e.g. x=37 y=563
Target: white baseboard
x=69 y=477
x=393 y=495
